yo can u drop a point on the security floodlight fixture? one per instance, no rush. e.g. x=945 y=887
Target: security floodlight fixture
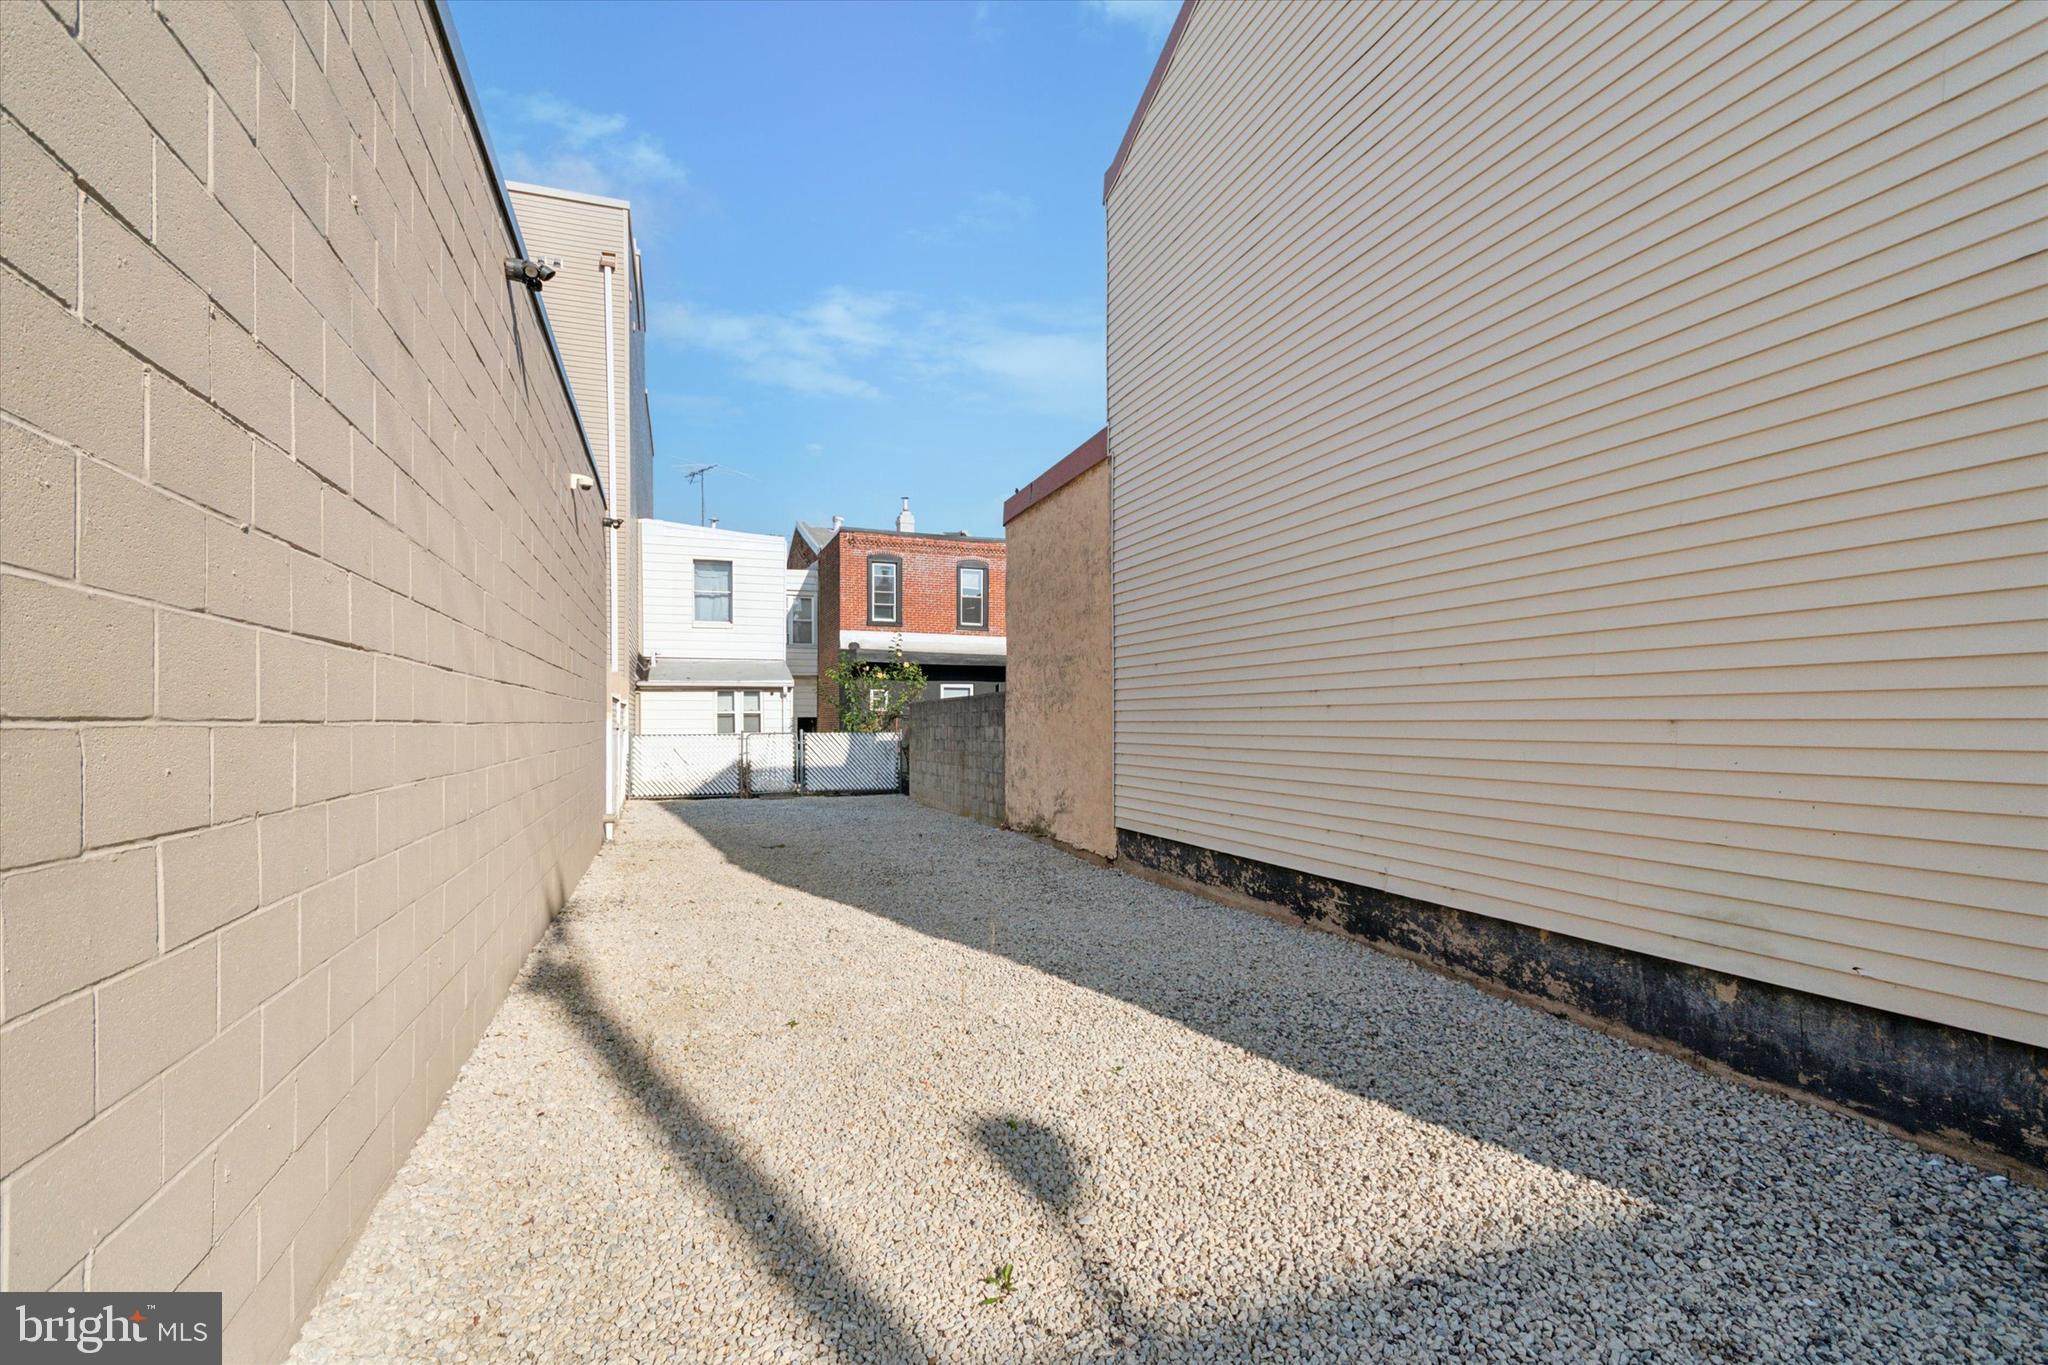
x=528 y=271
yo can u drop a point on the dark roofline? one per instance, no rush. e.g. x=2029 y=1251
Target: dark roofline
x=1180 y=23
x=1071 y=466
x=465 y=87
x=925 y=535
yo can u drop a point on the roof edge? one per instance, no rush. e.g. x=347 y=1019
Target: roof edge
x=573 y=196
x=1180 y=23
x=465 y=86
x=1070 y=467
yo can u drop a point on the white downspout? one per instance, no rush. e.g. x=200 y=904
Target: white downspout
x=611 y=496
x=611 y=457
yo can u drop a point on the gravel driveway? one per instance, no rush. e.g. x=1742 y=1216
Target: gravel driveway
x=789 y=1079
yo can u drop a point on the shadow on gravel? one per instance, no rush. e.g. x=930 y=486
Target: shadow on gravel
x=1812 y=1258
x=1417 y=1053
x=751 y=1201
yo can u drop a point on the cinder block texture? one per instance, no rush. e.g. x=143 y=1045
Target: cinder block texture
x=302 y=679
x=955 y=750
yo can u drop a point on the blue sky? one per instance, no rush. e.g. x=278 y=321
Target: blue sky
x=872 y=231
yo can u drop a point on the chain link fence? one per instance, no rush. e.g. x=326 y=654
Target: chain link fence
x=673 y=767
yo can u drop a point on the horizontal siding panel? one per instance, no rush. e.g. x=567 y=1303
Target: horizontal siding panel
x=669 y=552
x=1585 y=464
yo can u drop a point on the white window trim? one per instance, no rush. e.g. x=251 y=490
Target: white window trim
x=732 y=594
x=948 y=691
x=895 y=568
x=979 y=597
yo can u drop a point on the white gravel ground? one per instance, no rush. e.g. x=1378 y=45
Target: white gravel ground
x=791 y=1077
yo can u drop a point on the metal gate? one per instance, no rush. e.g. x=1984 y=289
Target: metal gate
x=685 y=765
x=853 y=763
x=668 y=767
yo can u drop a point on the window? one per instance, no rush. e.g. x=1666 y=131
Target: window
x=973 y=586
x=948 y=691
x=714 y=590
x=802 y=621
x=885 y=597
x=739 y=711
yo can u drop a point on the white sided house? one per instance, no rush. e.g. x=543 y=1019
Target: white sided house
x=714 y=632
x=800 y=605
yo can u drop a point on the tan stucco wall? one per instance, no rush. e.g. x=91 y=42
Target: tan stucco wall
x=301 y=637
x=1058 y=750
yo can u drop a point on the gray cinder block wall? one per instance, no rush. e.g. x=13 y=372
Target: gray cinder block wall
x=956 y=755
x=301 y=634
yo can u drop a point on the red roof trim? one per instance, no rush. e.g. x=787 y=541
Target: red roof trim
x=1180 y=22
x=1072 y=466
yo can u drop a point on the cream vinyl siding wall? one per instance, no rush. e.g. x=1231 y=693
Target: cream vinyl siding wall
x=1583 y=465
x=576 y=230
x=669 y=581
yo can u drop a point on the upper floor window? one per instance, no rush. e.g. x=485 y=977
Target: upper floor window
x=803 y=620
x=885 y=591
x=973 y=582
x=714 y=590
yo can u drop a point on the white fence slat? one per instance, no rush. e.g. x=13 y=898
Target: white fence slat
x=670 y=767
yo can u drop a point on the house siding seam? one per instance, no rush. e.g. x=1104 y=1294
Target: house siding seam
x=302 y=690
x=1581 y=467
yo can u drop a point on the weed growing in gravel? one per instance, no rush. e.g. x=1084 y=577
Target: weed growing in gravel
x=1003 y=1279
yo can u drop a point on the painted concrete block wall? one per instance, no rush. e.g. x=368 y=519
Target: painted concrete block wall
x=300 y=635
x=1057 y=769
x=955 y=753
x=579 y=231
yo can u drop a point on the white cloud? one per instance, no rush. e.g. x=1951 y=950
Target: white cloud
x=813 y=350
x=1053 y=371
x=1153 y=18
x=988 y=211
x=551 y=141
x=870 y=345
x=997 y=210
x=574 y=126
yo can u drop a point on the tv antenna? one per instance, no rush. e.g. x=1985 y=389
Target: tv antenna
x=696 y=473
